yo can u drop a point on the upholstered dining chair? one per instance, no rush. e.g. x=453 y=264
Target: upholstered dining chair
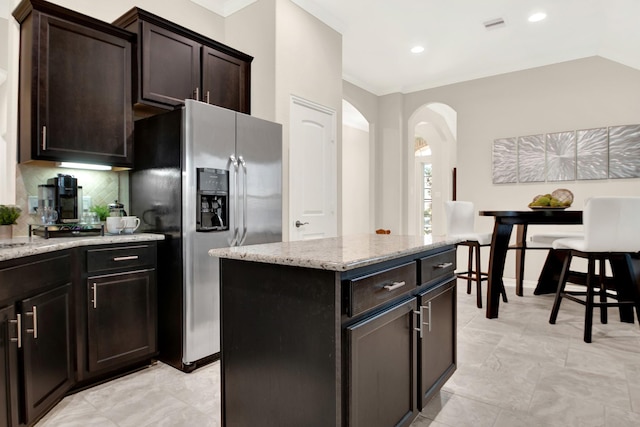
x=611 y=233
x=460 y=224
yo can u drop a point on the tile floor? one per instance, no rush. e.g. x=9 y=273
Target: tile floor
x=517 y=370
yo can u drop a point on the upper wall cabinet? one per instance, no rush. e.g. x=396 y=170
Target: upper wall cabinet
x=75 y=87
x=174 y=64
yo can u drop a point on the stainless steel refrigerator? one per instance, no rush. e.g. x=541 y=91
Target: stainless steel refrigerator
x=205 y=177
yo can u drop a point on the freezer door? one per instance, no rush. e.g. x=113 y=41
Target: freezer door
x=259 y=150
x=209 y=143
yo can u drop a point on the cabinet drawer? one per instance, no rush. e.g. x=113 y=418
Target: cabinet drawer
x=35 y=273
x=370 y=291
x=128 y=257
x=437 y=266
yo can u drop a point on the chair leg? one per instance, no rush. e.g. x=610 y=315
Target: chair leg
x=469 y=269
x=478 y=277
x=588 y=315
x=603 y=291
x=561 y=284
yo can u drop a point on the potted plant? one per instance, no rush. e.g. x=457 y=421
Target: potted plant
x=8 y=216
x=102 y=211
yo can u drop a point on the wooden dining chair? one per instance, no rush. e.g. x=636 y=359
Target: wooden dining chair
x=460 y=224
x=611 y=233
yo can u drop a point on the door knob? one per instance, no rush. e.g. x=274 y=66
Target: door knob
x=300 y=224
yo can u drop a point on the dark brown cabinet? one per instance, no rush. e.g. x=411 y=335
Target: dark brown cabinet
x=339 y=348
x=175 y=63
x=121 y=318
x=382 y=368
x=437 y=350
x=37 y=337
x=75 y=87
x=8 y=367
x=46 y=350
x=120 y=305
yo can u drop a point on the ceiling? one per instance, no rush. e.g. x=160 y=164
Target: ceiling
x=377 y=36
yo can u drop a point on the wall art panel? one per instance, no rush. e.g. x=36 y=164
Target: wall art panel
x=592 y=146
x=624 y=151
x=531 y=158
x=504 y=161
x=561 y=156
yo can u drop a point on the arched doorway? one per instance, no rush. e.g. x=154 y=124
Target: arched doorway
x=436 y=124
x=356 y=170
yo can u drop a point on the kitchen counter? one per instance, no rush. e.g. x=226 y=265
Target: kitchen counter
x=336 y=253
x=26 y=246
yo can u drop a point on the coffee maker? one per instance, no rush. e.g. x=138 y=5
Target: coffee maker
x=63 y=194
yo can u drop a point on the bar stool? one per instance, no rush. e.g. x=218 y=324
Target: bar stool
x=460 y=224
x=611 y=233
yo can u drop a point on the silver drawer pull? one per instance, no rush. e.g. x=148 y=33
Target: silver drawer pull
x=443 y=265
x=33 y=313
x=394 y=286
x=125 y=258
x=18 y=323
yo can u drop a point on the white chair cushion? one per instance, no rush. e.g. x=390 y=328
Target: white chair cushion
x=611 y=224
x=577 y=244
x=482 y=238
x=547 y=238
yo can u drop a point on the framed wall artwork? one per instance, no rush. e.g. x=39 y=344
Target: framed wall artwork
x=592 y=147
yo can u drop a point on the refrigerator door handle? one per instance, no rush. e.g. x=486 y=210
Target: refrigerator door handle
x=244 y=200
x=236 y=231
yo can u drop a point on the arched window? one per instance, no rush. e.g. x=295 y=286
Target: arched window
x=424 y=168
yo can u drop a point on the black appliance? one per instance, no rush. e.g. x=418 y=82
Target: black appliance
x=65 y=197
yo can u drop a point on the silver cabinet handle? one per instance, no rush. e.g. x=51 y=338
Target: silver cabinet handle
x=44 y=138
x=428 y=307
x=443 y=265
x=300 y=224
x=244 y=201
x=125 y=258
x=196 y=94
x=18 y=323
x=208 y=98
x=95 y=295
x=34 y=314
x=419 y=314
x=234 y=162
x=394 y=286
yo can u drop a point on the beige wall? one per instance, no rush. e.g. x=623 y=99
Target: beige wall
x=581 y=94
x=356 y=207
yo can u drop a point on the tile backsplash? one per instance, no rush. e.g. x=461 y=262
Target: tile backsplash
x=103 y=188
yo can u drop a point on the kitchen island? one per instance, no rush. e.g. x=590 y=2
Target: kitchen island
x=347 y=331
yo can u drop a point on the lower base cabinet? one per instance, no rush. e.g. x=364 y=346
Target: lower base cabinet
x=8 y=368
x=437 y=349
x=46 y=350
x=71 y=318
x=121 y=318
x=382 y=364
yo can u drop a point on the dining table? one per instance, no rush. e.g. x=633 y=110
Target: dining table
x=502 y=230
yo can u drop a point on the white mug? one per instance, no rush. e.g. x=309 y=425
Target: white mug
x=130 y=224
x=114 y=224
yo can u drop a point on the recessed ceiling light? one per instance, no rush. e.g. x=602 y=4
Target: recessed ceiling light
x=417 y=49
x=537 y=17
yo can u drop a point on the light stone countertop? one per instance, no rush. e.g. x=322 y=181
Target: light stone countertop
x=26 y=246
x=336 y=253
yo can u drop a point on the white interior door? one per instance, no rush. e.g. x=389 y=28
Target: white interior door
x=312 y=171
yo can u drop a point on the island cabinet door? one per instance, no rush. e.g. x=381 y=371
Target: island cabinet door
x=382 y=368
x=437 y=338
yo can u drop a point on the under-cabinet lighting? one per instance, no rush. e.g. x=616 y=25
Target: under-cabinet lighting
x=84 y=166
x=417 y=49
